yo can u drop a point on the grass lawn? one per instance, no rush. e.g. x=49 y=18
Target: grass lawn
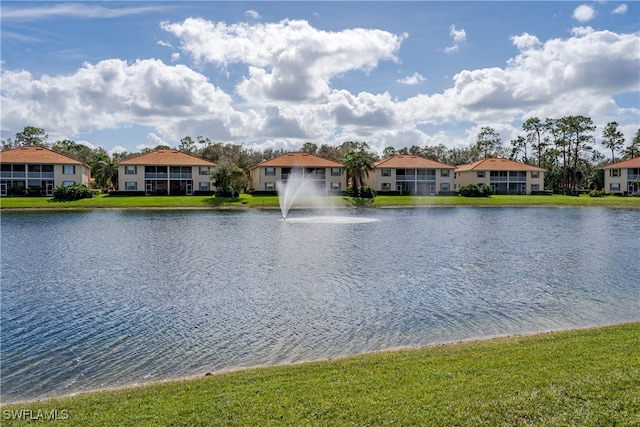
x=246 y=200
x=579 y=378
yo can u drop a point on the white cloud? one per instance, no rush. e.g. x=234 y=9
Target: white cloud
x=459 y=38
x=288 y=60
x=364 y=111
x=73 y=9
x=415 y=79
x=111 y=94
x=154 y=141
x=141 y=147
x=165 y=44
x=620 y=10
x=253 y=14
x=525 y=41
x=584 y=13
x=117 y=149
x=581 y=31
x=580 y=74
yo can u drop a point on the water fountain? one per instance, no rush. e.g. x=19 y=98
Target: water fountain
x=294 y=189
x=300 y=189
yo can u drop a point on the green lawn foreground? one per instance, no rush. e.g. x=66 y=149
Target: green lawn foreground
x=269 y=202
x=587 y=377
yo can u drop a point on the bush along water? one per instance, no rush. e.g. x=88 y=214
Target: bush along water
x=363 y=192
x=72 y=192
x=473 y=190
x=597 y=193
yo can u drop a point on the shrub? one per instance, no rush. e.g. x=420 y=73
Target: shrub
x=363 y=192
x=16 y=191
x=597 y=193
x=473 y=190
x=72 y=192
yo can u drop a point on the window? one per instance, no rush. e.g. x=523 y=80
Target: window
x=130 y=170
x=614 y=172
x=534 y=175
x=204 y=170
x=131 y=186
x=204 y=186
x=386 y=186
x=335 y=186
x=68 y=169
x=480 y=174
x=335 y=171
x=614 y=186
x=386 y=172
x=535 y=187
x=34 y=168
x=444 y=172
x=68 y=183
x=270 y=172
x=444 y=186
x=270 y=186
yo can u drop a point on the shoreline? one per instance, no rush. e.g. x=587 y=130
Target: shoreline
x=495 y=338
x=306 y=208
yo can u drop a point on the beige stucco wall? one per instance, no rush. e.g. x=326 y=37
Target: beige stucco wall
x=139 y=179
x=259 y=179
x=622 y=180
x=81 y=175
x=197 y=178
x=468 y=177
x=375 y=180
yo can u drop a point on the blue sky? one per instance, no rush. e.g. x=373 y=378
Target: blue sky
x=130 y=75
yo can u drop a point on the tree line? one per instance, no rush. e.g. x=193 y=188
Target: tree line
x=565 y=147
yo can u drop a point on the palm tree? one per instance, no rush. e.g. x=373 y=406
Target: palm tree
x=104 y=170
x=357 y=164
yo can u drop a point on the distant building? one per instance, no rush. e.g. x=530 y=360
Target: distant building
x=38 y=170
x=326 y=174
x=502 y=175
x=408 y=174
x=170 y=172
x=621 y=177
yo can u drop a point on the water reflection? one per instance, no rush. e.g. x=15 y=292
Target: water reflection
x=109 y=298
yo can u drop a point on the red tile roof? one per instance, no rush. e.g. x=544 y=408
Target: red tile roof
x=406 y=161
x=36 y=154
x=497 y=164
x=631 y=163
x=167 y=158
x=300 y=160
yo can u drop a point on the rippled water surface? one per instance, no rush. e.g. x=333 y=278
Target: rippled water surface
x=111 y=298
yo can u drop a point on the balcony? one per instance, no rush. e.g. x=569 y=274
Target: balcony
x=15 y=174
x=156 y=175
x=40 y=175
x=312 y=177
x=413 y=177
x=174 y=175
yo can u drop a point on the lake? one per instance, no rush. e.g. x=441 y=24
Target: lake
x=108 y=298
